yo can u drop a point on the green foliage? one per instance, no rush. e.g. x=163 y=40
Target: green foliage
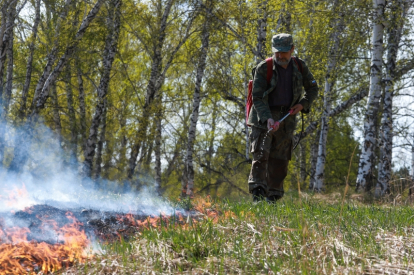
x=221 y=168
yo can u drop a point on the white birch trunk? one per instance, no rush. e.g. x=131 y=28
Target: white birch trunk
x=329 y=83
x=6 y=31
x=111 y=46
x=189 y=169
x=101 y=141
x=56 y=114
x=29 y=66
x=398 y=13
x=9 y=79
x=71 y=114
x=261 y=51
x=366 y=161
x=157 y=151
x=82 y=109
x=6 y=52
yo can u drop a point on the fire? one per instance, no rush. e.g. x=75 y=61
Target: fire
x=204 y=206
x=66 y=244
x=20 y=256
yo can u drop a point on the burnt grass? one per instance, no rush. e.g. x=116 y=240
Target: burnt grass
x=101 y=225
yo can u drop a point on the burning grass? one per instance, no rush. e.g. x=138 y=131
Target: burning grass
x=295 y=236
x=52 y=238
x=18 y=255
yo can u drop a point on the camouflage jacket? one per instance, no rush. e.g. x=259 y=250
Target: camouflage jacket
x=260 y=111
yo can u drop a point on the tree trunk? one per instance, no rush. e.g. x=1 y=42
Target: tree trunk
x=123 y=145
x=330 y=78
x=29 y=66
x=261 y=31
x=98 y=163
x=189 y=166
x=412 y=162
x=365 y=169
x=109 y=151
x=8 y=9
x=398 y=14
x=303 y=170
x=56 y=115
x=6 y=52
x=82 y=109
x=71 y=115
x=313 y=160
x=157 y=151
x=9 y=78
x=111 y=44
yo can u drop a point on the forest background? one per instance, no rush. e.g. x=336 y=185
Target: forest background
x=150 y=92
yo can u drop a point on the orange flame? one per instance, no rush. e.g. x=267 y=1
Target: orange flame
x=20 y=256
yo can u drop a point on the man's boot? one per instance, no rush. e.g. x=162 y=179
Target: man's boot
x=258 y=194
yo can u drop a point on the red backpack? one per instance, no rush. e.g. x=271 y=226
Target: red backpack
x=269 y=62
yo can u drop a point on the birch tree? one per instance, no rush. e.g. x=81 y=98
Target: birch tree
x=366 y=161
x=261 y=51
x=29 y=66
x=71 y=113
x=9 y=14
x=396 y=22
x=82 y=107
x=56 y=114
x=188 y=185
x=111 y=44
x=314 y=159
x=330 y=78
x=101 y=141
x=158 y=144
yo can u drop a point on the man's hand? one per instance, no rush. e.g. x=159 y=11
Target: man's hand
x=272 y=126
x=296 y=109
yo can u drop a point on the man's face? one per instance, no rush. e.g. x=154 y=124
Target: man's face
x=283 y=58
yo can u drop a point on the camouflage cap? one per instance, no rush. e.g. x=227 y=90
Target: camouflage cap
x=282 y=42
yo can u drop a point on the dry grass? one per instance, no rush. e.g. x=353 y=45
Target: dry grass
x=292 y=237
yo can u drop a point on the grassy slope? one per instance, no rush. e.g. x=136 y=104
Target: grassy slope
x=306 y=236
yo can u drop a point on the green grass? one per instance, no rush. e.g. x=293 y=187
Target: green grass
x=295 y=236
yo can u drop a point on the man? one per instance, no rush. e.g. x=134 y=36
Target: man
x=271 y=143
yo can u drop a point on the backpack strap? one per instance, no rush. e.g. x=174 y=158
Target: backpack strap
x=269 y=62
x=298 y=63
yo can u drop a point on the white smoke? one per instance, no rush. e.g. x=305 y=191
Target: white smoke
x=50 y=177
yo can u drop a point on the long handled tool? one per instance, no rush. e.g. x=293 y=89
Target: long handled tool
x=277 y=123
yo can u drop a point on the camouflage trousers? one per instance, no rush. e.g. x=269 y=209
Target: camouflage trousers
x=271 y=155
